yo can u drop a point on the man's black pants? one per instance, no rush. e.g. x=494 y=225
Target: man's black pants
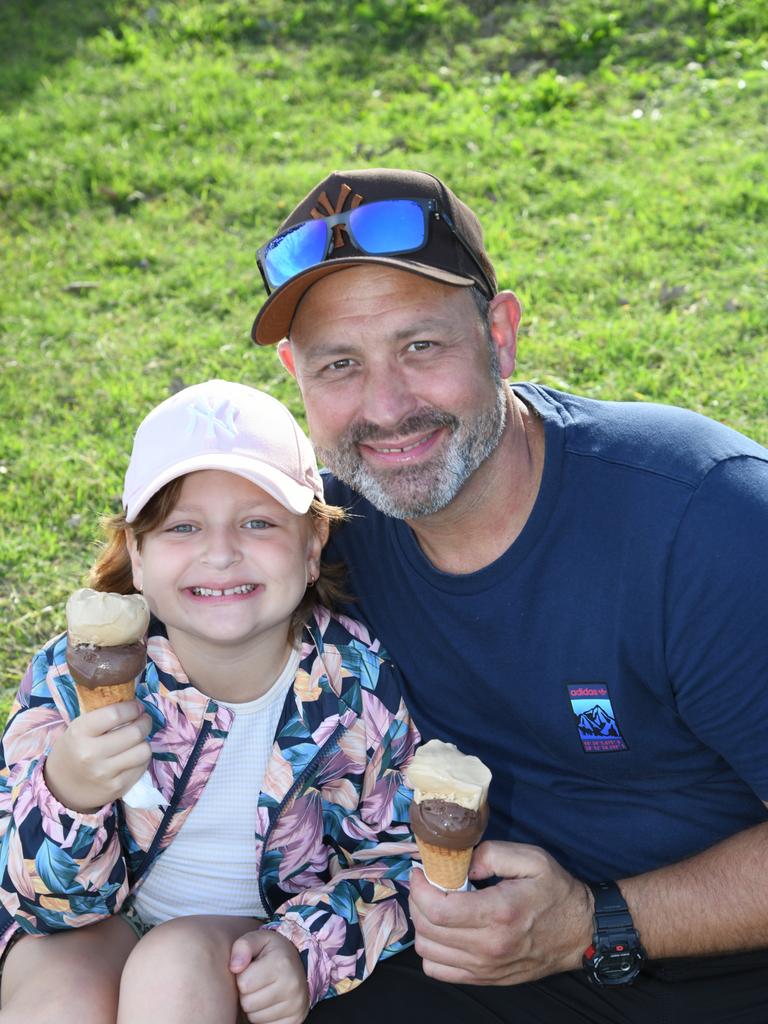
x=717 y=990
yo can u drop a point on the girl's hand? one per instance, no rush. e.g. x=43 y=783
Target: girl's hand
x=270 y=978
x=99 y=756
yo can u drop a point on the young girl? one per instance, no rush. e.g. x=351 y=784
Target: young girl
x=275 y=872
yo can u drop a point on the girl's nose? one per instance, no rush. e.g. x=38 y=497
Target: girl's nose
x=222 y=549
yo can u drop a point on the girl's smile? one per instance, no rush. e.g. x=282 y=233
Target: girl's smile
x=238 y=591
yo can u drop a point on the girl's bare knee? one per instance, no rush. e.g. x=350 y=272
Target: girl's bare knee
x=184 y=946
x=68 y=977
x=183 y=966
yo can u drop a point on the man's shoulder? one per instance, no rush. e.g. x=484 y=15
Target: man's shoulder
x=649 y=437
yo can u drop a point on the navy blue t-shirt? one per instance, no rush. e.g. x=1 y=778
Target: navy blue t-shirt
x=611 y=667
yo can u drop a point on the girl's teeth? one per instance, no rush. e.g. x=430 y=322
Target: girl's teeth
x=246 y=588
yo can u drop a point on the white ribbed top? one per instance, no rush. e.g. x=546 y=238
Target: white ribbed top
x=210 y=868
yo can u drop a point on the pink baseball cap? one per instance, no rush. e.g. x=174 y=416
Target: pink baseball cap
x=221 y=425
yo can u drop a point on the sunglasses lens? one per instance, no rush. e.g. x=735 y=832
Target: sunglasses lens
x=296 y=249
x=389 y=226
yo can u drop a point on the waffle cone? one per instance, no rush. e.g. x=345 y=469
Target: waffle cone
x=447 y=868
x=102 y=696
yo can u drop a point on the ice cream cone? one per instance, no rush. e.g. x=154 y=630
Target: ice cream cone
x=102 y=696
x=444 y=867
x=449 y=810
x=106 y=649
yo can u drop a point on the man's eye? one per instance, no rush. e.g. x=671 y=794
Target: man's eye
x=421 y=346
x=339 y=364
x=257 y=524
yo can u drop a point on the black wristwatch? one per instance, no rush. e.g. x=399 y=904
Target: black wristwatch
x=615 y=956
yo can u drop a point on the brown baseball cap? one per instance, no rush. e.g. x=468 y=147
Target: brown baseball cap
x=444 y=257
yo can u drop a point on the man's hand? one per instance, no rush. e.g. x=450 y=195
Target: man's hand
x=270 y=978
x=99 y=756
x=538 y=921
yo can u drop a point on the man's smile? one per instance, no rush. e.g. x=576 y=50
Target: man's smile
x=404 y=451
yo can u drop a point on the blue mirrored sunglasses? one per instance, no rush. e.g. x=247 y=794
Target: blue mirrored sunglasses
x=387 y=227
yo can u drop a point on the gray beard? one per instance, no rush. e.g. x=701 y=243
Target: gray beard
x=409 y=492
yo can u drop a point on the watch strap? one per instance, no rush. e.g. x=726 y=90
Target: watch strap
x=611 y=910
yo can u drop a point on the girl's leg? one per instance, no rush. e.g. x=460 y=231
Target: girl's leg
x=70 y=977
x=179 y=972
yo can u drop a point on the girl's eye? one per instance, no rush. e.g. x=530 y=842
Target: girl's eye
x=257 y=524
x=181 y=528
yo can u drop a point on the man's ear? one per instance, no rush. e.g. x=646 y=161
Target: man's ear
x=285 y=355
x=135 y=556
x=505 y=315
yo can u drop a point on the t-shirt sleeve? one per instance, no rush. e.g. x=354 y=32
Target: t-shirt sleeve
x=717 y=615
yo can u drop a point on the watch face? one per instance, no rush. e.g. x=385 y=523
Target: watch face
x=617 y=968
x=618 y=964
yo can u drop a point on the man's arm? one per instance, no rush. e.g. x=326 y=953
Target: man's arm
x=538 y=920
x=715 y=902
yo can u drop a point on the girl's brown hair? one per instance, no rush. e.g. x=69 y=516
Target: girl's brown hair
x=112 y=571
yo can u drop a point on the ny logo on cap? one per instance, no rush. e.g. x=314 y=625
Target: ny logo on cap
x=223 y=418
x=324 y=201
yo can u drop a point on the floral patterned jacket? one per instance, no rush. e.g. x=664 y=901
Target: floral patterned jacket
x=333 y=842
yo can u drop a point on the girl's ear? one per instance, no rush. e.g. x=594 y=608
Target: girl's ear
x=134 y=554
x=318 y=537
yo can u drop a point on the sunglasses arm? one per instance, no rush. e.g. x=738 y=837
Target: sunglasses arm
x=442 y=215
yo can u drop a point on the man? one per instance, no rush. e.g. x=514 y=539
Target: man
x=576 y=592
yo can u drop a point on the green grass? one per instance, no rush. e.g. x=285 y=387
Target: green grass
x=614 y=151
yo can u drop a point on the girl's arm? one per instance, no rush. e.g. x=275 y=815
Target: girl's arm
x=59 y=868
x=343 y=928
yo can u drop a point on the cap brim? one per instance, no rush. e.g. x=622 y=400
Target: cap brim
x=291 y=494
x=273 y=320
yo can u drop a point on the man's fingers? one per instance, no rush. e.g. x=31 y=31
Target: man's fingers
x=459 y=957
x=449 y=910
x=449 y=945
x=448 y=973
x=507 y=860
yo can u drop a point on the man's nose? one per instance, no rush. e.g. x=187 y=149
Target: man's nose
x=386 y=398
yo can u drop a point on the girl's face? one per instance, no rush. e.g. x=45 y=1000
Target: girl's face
x=228 y=566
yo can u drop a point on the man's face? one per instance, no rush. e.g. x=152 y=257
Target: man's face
x=404 y=400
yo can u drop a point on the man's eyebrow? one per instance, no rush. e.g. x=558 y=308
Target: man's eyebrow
x=420 y=328
x=321 y=350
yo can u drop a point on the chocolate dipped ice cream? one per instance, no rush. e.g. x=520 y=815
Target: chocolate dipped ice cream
x=106 y=649
x=449 y=812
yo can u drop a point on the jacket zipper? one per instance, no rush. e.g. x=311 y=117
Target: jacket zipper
x=299 y=783
x=178 y=792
